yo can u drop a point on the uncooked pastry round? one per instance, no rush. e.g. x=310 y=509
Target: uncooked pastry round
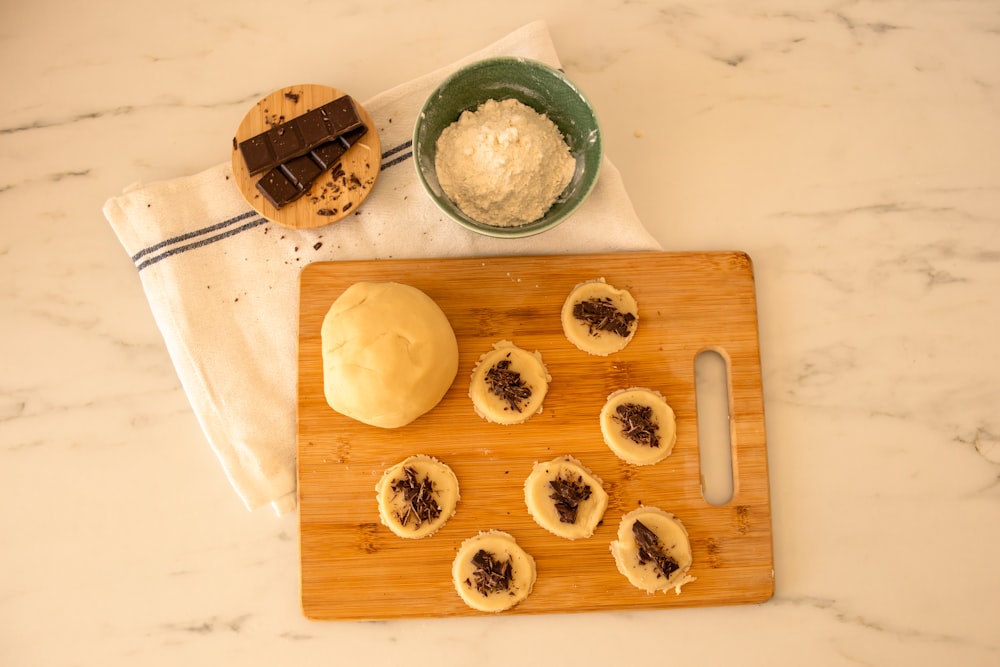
x=573 y=506
x=389 y=353
x=672 y=541
x=524 y=370
x=660 y=427
x=499 y=548
x=598 y=318
x=417 y=496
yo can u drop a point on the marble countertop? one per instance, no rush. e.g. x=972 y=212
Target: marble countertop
x=852 y=148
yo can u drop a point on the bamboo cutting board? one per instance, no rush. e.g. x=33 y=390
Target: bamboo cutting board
x=354 y=568
x=338 y=192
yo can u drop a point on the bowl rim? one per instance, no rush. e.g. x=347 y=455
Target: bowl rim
x=529 y=228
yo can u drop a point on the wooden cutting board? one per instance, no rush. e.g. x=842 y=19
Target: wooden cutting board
x=336 y=194
x=354 y=568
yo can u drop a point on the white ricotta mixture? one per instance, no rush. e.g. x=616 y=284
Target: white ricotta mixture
x=503 y=164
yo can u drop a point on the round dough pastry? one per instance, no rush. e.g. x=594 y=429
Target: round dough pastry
x=598 y=318
x=389 y=354
x=509 y=384
x=565 y=498
x=417 y=496
x=639 y=426
x=491 y=572
x=653 y=550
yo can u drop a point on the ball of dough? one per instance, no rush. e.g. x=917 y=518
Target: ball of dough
x=389 y=354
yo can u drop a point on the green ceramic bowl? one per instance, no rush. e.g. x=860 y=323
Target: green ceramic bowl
x=540 y=87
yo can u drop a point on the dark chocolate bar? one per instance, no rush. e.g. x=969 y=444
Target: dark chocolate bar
x=300 y=135
x=277 y=189
x=327 y=154
x=290 y=180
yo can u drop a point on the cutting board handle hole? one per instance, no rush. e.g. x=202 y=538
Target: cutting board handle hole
x=713 y=407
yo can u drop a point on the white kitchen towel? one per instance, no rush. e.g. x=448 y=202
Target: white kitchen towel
x=222 y=281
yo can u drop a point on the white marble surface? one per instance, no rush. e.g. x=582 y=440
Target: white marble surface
x=852 y=148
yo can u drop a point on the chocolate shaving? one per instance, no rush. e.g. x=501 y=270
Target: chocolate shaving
x=568 y=494
x=651 y=551
x=601 y=315
x=491 y=574
x=637 y=423
x=507 y=384
x=418 y=494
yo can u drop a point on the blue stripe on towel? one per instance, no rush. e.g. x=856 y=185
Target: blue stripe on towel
x=191 y=235
x=207 y=235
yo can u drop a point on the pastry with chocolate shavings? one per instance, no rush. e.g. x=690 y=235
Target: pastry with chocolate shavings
x=639 y=426
x=509 y=384
x=565 y=498
x=492 y=572
x=417 y=496
x=653 y=550
x=598 y=318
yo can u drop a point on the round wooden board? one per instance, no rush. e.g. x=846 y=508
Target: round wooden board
x=331 y=198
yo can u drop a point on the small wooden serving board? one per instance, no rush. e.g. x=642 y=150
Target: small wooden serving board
x=338 y=192
x=352 y=567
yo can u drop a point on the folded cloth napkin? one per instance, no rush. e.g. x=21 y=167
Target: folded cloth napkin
x=222 y=281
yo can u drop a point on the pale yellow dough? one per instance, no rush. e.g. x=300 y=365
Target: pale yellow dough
x=673 y=539
x=597 y=341
x=533 y=374
x=627 y=449
x=389 y=354
x=538 y=493
x=502 y=547
x=396 y=512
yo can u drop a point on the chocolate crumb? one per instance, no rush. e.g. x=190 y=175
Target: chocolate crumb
x=418 y=494
x=294 y=97
x=347 y=206
x=326 y=211
x=651 y=551
x=317 y=245
x=507 y=384
x=637 y=423
x=601 y=315
x=491 y=575
x=568 y=494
